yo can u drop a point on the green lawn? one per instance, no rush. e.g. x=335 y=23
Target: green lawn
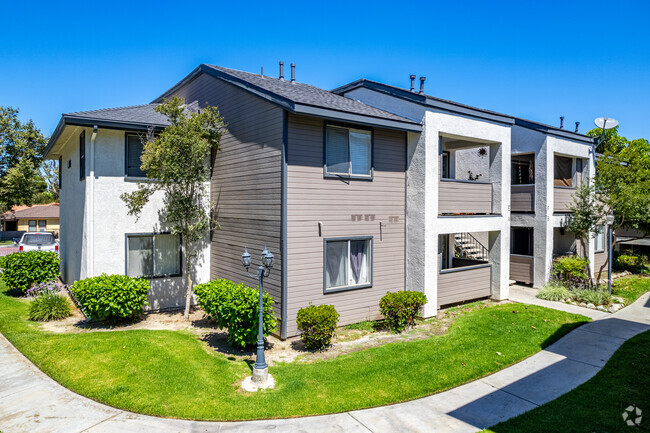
x=9 y=242
x=598 y=404
x=171 y=373
x=630 y=287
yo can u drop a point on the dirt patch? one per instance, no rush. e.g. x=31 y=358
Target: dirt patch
x=348 y=339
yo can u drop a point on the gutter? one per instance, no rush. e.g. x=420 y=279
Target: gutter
x=91 y=206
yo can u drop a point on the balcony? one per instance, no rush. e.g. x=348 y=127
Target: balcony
x=522 y=198
x=464 y=197
x=464 y=283
x=562 y=198
x=521 y=268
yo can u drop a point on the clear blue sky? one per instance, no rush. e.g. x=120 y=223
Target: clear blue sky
x=538 y=60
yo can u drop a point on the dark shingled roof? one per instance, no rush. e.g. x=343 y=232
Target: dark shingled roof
x=142 y=114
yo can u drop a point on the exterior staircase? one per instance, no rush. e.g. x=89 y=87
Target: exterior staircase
x=469 y=247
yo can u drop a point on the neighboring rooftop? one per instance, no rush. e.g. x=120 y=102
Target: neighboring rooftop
x=300 y=98
x=456 y=107
x=42 y=211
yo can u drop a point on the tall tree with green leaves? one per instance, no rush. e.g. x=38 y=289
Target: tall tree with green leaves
x=21 y=153
x=621 y=186
x=178 y=162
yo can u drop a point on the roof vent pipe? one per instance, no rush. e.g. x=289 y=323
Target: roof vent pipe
x=262 y=71
x=577 y=125
x=293 y=73
x=282 y=70
x=561 y=122
x=412 y=83
x=422 y=84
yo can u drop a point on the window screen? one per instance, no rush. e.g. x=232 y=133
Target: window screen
x=153 y=255
x=348 y=151
x=134 y=148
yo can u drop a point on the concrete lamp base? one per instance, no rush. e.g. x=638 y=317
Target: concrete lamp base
x=250 y=385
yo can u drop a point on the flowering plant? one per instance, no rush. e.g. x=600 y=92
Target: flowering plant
x=42 y=288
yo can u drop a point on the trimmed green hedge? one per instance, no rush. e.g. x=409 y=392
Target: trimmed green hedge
x=401 y=309
x=317 y=324
x=236 y=307
x=111 y=297
x=21 y=270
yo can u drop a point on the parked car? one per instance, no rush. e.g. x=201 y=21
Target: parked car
x=41 y=241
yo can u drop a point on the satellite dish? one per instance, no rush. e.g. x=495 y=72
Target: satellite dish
x=606 y=123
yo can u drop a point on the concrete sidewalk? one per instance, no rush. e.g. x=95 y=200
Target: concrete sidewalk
x=32 y=402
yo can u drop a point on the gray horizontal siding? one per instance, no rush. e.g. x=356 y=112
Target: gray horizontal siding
x=600 y=262
x=562 y=199
x=464 y=197
x=521 y=268
x=345 y=209
x=522 y=198
x=463 y=285
x=246 y=181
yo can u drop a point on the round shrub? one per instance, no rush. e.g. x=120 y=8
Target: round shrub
x=554 y=292
x=111 y=297
x=401 y=309
x=317 y=324
x=629 y=262
x=236 y=307
x=49 y=306
x=571 y=271
x=21 y=270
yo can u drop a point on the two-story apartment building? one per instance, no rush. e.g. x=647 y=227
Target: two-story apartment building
x=316 y=177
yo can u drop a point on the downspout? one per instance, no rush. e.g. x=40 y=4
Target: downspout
x=91 y=206
x=283 y=225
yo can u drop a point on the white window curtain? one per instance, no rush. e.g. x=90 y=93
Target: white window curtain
x=167 y=255
x=360 y=145
x=337 y=150
x=140 y=256
x=599 y=240
x=336 y=272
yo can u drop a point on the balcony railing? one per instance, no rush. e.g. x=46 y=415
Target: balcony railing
x=562 y=198
x=464 y=284
x=522 y=198
x=521 y=268
x=464 y=197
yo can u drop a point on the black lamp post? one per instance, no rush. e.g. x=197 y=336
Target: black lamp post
x=609 y=219
x=260 y=369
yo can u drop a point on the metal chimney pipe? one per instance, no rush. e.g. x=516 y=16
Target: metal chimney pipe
x=577 y=125
x=422 y=84
x=282 y=70
x=561 y=122
x=293 y=72
x=412 y=83
x=262 y=71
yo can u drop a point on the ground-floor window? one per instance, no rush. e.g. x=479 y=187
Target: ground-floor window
x=42 y=226
x=32 y=225
x=443 y=250
x=153 y=255
x=521 y=241
x=348 y=263
x=599 y=240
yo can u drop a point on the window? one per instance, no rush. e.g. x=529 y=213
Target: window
x=82 y=155
x=32 y=225
x=599 y=239
x=521 y=241
x=563 y=169
x=42 y=226
x=134 y=148
x=153 y=255
x=60 y=172
x=348 y=152
x=445 y=165
x=348 y=263
x=522 y=170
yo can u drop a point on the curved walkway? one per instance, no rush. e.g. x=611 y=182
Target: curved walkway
x=32 y=402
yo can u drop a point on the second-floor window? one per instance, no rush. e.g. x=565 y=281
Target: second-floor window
x=348 y=152
x=134 y=148
x=82 y=155
x=563 y=169
x=522 y=171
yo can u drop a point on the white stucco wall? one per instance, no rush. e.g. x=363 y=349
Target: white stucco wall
x=111 y=221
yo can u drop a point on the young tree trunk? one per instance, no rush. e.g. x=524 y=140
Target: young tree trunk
x=583 y=244
x=188 y=295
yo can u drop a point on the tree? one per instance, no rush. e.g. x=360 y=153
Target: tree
x=178 y=159
x=49 y=171
x=21 y=152
x=621 y=186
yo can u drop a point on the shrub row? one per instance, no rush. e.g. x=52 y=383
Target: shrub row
x=22 y=270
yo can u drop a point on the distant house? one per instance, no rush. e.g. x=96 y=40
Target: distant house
x=36 y=218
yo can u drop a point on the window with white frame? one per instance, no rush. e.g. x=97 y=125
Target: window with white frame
x=599 y=239
x=348 y=151
x=42 y=225
x=348 y=263
x=32 y=225
x=153 y=255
